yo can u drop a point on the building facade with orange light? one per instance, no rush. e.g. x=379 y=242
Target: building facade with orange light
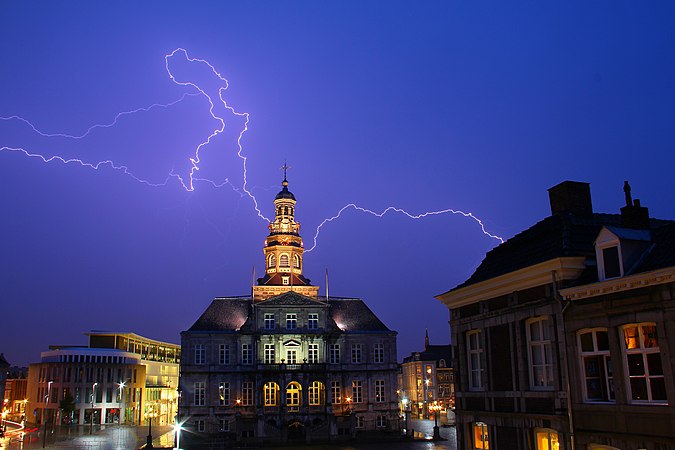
x=565 y=332
x=284 y=363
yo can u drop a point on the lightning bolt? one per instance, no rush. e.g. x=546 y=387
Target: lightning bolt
x=195 y=160
x=404 y=212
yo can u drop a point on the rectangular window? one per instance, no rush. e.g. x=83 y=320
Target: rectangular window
x=540 y=355
x=378 y=353
x=224 y=425
x=224 y=354
x=291 y=321
x=642 y=360
x=200 y=393
x=334 y=354
x=356 y=353
x=381 y=421
x=224 y=394
x=109 y=395
x=200 y=354
x=247 y=393
x=360 y=422
x=313 y=353
x=480 y=436
x=379 y=391
x=335 y=392
x=545 y=439
x=357 y=391
x=313 y=321
x=201 y=425
x=474 y=352
x=596 y=365
x=269 y=354
x=269 y=321
x=291 y=356
x=246 y=354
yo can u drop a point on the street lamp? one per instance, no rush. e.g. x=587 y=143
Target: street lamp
x=177 y=428
x=150 y=415
x=93 y=399
x=47 y=398
x=120 y=394
x=404 y=402
x=436 y=408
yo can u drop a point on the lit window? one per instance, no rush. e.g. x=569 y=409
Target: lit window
x=283 y=260
x=539 y=353
x=292 y=356
x=480 y=436
x=296 y=261
x=271 y=262
x=546 y=439
x=313 y=321
x=316 y=393
x=224 y=393
x=269 y=354
x=247 y=393
x=474 y=356
x=357 y=391
x=334 y=354
x=642 y=359
x=269 y=321
x=379 y=391
x=293 y=391
x=313 y=353
x=271 y=393
x=200 y=354
x=291 y=321
x=356 y=353
x=596 y=365
x=378 y=353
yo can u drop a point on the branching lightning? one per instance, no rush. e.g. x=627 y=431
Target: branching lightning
x=399 y=210
x=188 y=184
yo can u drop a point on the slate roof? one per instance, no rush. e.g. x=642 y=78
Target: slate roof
x=559 y=235
x=234 y=314
x=662 y=252
x=433 y=353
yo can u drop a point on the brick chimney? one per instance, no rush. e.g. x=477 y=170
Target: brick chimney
x=633 y=215
x=571 y=196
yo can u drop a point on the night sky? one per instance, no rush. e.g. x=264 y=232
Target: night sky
x=425 y=106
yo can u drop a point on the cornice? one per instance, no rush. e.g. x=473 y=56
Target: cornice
x=566 y=268
x=626 y=283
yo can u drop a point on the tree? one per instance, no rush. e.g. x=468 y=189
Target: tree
x=67 y=406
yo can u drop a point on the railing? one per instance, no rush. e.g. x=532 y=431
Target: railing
x=295 y=367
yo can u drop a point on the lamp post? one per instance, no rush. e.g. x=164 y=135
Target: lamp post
x=177 y=428
x=404 y=402
x=436 y=408
x=149 y=415
x=93 y=399
x=120 y=394
x=47 y=398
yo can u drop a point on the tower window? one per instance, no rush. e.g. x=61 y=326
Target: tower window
x=283 y=261
x=272 y=262
x=296 y=261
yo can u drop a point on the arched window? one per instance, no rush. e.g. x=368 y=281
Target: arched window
x=271 y=391
x=293 y=395
x=316 y=393
x=283 y=260
x=441 y=363
x=285 y=210
x=296 y=261
x=272 y=261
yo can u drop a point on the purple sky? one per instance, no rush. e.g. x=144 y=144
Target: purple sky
x=479 y=108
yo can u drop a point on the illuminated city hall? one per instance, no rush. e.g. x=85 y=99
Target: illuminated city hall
x=284 y=363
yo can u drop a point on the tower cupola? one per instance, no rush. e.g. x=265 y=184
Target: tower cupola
x=284 y=251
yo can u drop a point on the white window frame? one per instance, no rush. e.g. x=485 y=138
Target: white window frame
x=291 y=355
x=268 y=321
x=291 y=321
x=474 y=356
x=606 y=239
x=381 y=421
x=313 y=321
x=199 y=398
x=201 y=425
x=542 y=346
x=247 y=393
x=200 y=354
x=334 y=354
x=335 y=392
x=379 y=391
x=313 y=353
x=378 y=353
x=246 y=354
x=224 y=425
x=645 y=352
x=357 y=353
x=360 y=422
x=224 y=354
x=357 y=391
x=606 y=374
x=269 y=354
x=224 y=393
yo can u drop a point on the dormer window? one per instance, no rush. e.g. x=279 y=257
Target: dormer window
x=608 y=254
x=610 y=262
